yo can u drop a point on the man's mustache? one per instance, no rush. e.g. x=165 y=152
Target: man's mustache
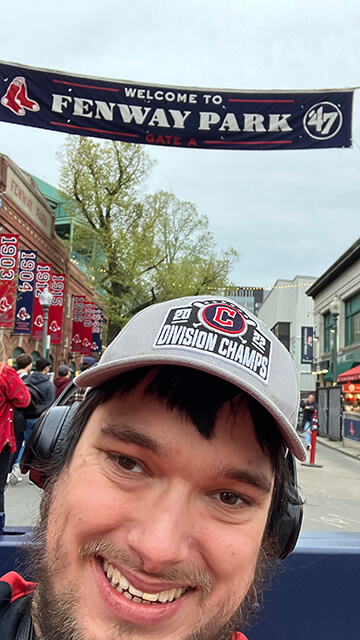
x=187 y=575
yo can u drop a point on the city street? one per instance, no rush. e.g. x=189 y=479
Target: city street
x=331 y=494
x=22 y=503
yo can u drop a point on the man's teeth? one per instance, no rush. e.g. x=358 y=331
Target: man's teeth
x=121 y=584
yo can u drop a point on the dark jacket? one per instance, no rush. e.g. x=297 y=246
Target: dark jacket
x=308 y=412
x=19 y=416
x=15 y=601
x=60 y=383
x=45 y=387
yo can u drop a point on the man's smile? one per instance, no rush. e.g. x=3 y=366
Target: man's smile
x=119 y=582
x=146 y=606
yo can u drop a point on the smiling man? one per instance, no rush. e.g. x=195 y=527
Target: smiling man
x=167 y=499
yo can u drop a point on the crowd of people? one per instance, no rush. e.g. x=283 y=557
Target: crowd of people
x=26 y=392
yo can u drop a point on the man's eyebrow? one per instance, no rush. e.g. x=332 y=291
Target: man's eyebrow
x=258 y=480
x=129 y=434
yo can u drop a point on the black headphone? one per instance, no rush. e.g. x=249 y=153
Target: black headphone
x=47 y=442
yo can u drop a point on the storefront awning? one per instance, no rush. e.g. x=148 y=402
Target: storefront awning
x=350 y=375
x=341 y=368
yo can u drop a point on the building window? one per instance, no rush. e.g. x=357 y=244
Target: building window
x=352 y=320
x=328 y=323
x=282 y=332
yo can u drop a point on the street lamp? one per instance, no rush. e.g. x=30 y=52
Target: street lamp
x=334 y=308
x=45 y=300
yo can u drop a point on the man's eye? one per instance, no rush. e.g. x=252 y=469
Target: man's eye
x=229 y=498
x=128 y=464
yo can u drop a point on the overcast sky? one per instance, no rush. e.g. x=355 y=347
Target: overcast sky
x=287 y=212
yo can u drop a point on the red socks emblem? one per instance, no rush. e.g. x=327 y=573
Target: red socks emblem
x=16 y=98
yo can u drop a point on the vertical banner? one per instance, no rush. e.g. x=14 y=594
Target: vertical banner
x=307 y=345
x=57 y=305
x=78 y=323
x=42 y=278
x=8 y=263
x=87 y=328
x=25 y=292
x=96 y=342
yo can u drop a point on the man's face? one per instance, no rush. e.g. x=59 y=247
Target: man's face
x=311 y=399
x=153 y=529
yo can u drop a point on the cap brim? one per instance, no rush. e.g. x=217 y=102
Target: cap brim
x=95 y=376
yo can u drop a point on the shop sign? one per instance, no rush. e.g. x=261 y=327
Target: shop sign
x=350 y=387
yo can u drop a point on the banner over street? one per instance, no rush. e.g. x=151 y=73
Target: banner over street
x=174 y=116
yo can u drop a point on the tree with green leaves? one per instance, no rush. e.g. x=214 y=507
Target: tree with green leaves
x=137 y=249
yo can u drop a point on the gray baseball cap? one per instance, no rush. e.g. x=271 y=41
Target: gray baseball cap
x=214 y=335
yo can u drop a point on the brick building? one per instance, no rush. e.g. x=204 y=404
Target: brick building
x=25 y=211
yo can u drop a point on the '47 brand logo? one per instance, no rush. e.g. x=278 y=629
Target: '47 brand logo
x=221 y=328
x=323 y=121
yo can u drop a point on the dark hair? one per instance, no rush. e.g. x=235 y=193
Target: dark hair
x=41 y=363
x=23 y=360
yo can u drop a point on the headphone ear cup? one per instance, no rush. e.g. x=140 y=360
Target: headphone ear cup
x=291 y=520
x=289 y=531
x=47 y=442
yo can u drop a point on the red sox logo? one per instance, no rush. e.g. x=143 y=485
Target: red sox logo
x=16 y=98
x=23 y=314
x=39 y=321
x=4 y=305
x=54 y=326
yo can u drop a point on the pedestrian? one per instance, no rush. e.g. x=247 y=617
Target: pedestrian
x=13 y=393
x=23 y=366
x=87 y=362
x=45 y=390
x=62 y=380
x=309 y=408
x=168 y=491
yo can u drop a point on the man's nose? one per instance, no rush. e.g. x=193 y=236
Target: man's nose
x=162 y=532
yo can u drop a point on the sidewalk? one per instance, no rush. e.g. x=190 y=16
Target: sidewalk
x=348 y=447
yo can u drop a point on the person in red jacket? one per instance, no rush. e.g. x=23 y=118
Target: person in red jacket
x=13 y=393
x=62 y=380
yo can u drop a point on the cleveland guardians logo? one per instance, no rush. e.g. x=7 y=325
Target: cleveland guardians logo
x=223 y=318
x=221 y=328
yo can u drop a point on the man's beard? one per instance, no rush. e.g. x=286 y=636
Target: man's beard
x=55 y=615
